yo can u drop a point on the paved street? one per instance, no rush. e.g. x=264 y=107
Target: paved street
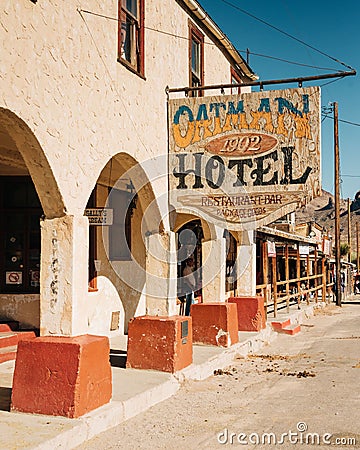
x=304 y=389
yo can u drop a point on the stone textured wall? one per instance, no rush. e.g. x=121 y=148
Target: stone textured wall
x=76 y=107
x=60 y=75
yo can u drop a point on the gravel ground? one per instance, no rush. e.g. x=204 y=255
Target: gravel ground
x=307 y=383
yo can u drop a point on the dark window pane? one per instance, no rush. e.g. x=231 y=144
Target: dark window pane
x=34 y=241
x=33 y=199
x=195 y=58
x=15 y=195
x=15 y=221
x=35 y=222
x=131 y=6
x=129 y=41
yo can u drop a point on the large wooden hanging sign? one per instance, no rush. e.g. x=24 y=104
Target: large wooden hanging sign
x=245 y=159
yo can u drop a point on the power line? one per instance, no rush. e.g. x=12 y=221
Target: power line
x=112 y=81
x=255 y=54
x=245 y=52
x=286 y=61
x=285 y=33
x=325 y=116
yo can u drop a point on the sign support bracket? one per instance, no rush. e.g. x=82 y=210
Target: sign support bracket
x=298 y=80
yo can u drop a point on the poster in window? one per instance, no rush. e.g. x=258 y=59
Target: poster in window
x=35 y=278
x=14 y=277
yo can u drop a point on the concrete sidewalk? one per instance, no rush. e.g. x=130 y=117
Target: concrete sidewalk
x=134 y=391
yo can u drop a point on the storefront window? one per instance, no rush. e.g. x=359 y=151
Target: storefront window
x=20 y=213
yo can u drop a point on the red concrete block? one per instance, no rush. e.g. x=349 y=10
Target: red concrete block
x=159 y=343
x=251 y=312
x=8 y=339
x=11 y=325
x=215 y=324
x=279 y=324
x=62 y=376
x=7 y=354
x=291 y=329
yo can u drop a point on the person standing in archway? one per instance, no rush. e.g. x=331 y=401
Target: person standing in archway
x=189 y=284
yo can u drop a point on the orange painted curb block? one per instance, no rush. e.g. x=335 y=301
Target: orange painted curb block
x=251 y=312
x=62 y=376
x=159 y=343
x=215 y=324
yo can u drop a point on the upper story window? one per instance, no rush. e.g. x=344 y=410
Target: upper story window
x=235 y=79
x=196 y=59
x=131 y=34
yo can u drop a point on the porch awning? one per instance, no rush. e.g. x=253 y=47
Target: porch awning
x=268 y=231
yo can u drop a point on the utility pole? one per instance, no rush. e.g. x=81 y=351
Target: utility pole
x=357 y=248
x=337 y=205
x=349 y=229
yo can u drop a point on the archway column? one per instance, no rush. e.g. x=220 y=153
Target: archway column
x=161 y=274
x=214 y=268
x=246 y=265
x=64 y=276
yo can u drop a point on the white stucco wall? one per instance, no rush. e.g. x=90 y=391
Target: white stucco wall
x=59 y=74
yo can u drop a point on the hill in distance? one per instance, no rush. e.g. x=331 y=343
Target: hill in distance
x=322 y=211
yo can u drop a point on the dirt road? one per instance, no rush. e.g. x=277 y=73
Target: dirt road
x=301 y=391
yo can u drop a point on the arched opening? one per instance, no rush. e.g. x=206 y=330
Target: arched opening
x=28 y=191
x=189 y=238
x=216 y=258
x=231 y=263
x=117 y=247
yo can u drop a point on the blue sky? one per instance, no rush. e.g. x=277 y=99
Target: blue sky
x=332 y=28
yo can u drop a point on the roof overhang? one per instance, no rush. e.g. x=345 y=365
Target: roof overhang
x=285 y=235
x=196 y=11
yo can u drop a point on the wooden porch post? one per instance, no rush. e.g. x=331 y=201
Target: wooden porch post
x=265 y=265
x=323 y=271
x=287 y=276
x=274 y=276
x=298 y=272
x=315 y=273
x=307 y=275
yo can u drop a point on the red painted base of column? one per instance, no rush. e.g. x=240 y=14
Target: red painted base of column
x=215 y=324
x=159 y=343
x=251 y=312
x=62 y=376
